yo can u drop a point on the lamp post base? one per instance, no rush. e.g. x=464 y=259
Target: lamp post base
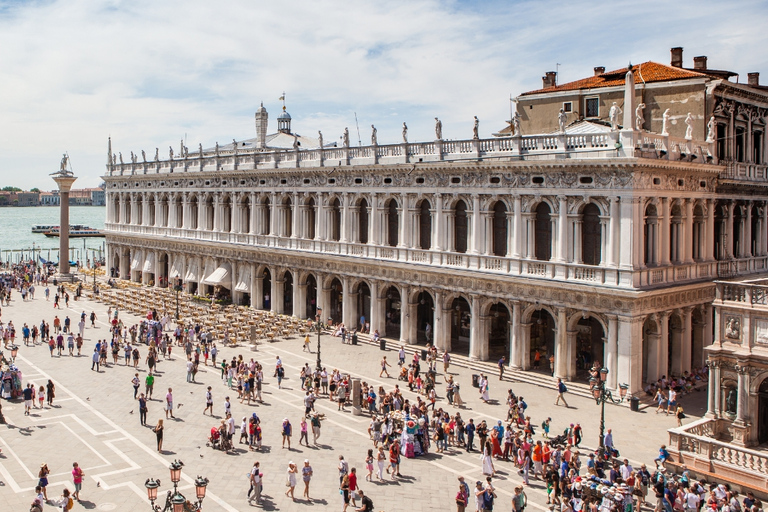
x=66 y=278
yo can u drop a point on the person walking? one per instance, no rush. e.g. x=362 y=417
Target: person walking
x=561 y=390
x=51 y=389
x=291 y=480
x=142 y=410
x=42 y=482
x=304 y=432
x=136 y=383
x=255 y=480
x=208 y=401
x=159 y=435
x=306 y=476
x=169 y=403
x=287 y=430
x=501 y=364
x=315 y=421
x=384 y=365
x=77 y=479
x=95 y=358
x=149 y=385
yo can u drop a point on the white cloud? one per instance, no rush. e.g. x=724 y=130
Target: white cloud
x=148 y=72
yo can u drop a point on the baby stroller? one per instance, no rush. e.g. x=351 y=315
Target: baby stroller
x=403 y=374
x=561 y=440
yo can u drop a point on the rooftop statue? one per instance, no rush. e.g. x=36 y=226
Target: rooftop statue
x=345 y=137
x=64 y=167
x=689 y=127
x=475 y=128
x=170 y=152
x=562 y=120
x=320 y=138
x=516 y=123
x=640 y=117
x=374 y=138
x=405 y=132
x=613 y=115
x=157 y=154
x=711 y=127
x=143 y=156
x=438 y=129
x=665 y=123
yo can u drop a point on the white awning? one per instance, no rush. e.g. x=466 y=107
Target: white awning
x=244 y=280
x=149 y=263
x=137 y=261
x=177 y=268
x=220 y=276
x=192 y=273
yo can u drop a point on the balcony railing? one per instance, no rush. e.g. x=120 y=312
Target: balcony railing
x=742 y=171
x=588 y=274
x=559 y=146
x=695 y=446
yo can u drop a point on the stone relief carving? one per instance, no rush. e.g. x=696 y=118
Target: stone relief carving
x=733 y=327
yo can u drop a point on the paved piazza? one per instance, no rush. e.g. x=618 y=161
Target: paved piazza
x=95 y=422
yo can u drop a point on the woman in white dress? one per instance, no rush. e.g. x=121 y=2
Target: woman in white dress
x=484 y=391
x=487 y=459
x=290 y=480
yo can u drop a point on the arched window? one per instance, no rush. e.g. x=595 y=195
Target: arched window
x=675 y=234
x=209 y=214
x=393 y=223
x=139 y=211
x=499 y=229
x=310 y=226
x=245 y=215
x=362 y=222
x=193 y=213
x=543 y=233
x=117 y=211
x=266 y=216
x=335 y=218
x=699 y=234
x=591 y=235
x=755 y=231
x=226 y=216
x=425 y=225
x=287 y=217
x=738 y=230
x=460 y=227
x=649 y=233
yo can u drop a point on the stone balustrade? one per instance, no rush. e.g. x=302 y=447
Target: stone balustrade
x=558 y=146
x=694 y=445
x=590 y=274
x=743 y=293
x=741 y=171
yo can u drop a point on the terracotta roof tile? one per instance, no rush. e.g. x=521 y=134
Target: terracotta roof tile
x=647 y=71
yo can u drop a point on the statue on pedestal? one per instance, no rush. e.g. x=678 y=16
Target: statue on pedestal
x=320 y=138
x=345 y=137
x=374 y=138
x=689 y=127
x=613 y=116
x=295 y=143
x=405 y=132
x=640 y=117
x=200 y=149
x=438 y=129
x=665 y=123
x=120 y=154
x=143 y=156
x=562 y=120
x=516 y=124
x=170 y=152
x=64 y=164
x=157 y=154
x=475 y=129
x=711 y=127
x=216 y=149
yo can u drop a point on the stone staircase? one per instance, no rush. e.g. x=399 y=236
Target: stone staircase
x=490 y=368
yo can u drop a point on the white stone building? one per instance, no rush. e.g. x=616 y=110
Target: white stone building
x=592 y=245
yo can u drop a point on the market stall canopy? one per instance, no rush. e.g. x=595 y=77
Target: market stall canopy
x=219 y=276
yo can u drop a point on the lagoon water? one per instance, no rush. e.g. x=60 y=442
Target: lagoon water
x=16 y=231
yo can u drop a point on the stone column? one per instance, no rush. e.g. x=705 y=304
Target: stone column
x=403 y=224
x=274 y=215
x=664 y=220
x=411 y=325
x=299 y=299
x=295 y=216
x=687 y=238
x=562 y=229
x=374 y=235
x=561 y=345
x=515 y=338
x=530 y=222
x=612 y=240
x=475 y=349
x=64 y=180
x=525 y=345
x=716 y=370
x=729 y=232
x=378 y=309
x=577 y=249
x=662 y=358
x=676 y=362
x=612 y=351
x=571 y=353
x=711 y=391
x=437 y=232
x=746 y=240
x=710 y=231
x=475 y=241
x=687 y=339
x=630 y=361
x=743 y=395
x=517 y=234
x=345 y=218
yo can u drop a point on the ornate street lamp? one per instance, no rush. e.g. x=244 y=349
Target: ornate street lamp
x=319 y=328
x=601 y=396
x=177 y=288
x=174 y=500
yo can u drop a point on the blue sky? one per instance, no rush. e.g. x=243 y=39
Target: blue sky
x=149 y=73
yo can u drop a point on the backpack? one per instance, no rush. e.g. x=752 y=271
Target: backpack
x=70 y=503
x=544 y=425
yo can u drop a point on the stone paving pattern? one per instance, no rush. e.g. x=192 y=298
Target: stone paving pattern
x=95 y=422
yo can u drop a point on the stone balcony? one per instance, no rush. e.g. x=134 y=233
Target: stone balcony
x=626 y=144
x=694 y=445
x=655 y=277
x=746 y=172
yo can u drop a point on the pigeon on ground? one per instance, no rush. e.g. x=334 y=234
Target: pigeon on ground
x=181 y=405
x=130 y=412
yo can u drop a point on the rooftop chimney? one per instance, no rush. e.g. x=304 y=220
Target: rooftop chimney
x=599 y=70
x=700 y=63
x=549 y=80
x=753 y=78
x=677 y=57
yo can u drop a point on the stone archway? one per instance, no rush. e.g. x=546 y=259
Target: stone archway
x=542 y=338
x=335 y=306
x=590 y=345
x=393 y=307
x=498 y=331
x=266 y=289
x=425 y=316
x=288 y=293
x=363 y=307
x=311 y=302
x=461 y=317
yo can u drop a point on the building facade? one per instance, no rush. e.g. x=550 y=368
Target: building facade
x=587 y=246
